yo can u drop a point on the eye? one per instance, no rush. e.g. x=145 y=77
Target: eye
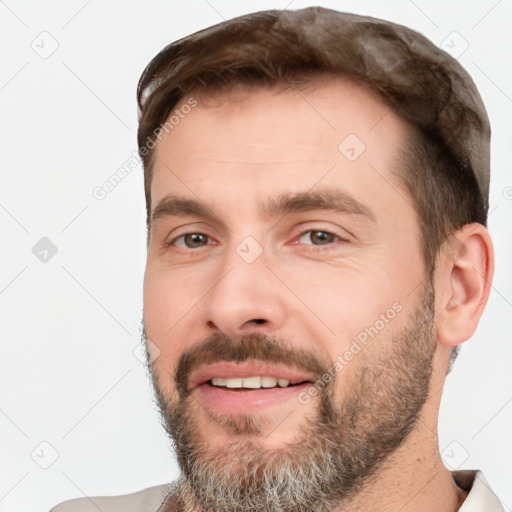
x=315 y=237
x=191 y=240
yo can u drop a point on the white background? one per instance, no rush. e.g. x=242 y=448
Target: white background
x=69 y=327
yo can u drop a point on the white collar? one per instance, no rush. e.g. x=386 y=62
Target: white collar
x=480 y=497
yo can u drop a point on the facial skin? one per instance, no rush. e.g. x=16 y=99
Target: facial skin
x=323 y=276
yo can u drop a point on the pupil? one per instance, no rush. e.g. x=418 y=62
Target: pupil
x=321 y=237
x=195 y=240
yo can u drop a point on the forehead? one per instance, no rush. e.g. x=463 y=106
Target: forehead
x=242 y=140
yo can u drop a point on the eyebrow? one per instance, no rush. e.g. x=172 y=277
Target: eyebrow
x=177 y=206
x=335 y=200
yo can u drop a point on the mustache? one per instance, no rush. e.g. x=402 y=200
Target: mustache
x=263 y=348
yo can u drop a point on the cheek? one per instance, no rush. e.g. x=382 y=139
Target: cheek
x=345 y=298
x=165 y=308
x=348 y=317
x=168 y=295
x=156 y=299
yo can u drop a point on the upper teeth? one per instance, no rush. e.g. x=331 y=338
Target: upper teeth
x=250 y=382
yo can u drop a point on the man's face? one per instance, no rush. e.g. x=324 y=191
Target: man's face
x=282 y=243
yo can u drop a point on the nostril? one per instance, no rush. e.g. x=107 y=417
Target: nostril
x=258 y=321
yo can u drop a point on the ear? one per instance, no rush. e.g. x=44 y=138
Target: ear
x=463 y=279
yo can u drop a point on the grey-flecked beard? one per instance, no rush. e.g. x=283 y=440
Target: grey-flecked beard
x=339 y=449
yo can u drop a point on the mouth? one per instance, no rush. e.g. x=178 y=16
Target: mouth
x=254 y=382
x=243 y=388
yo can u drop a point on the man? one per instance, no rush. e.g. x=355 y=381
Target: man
x=317 y=193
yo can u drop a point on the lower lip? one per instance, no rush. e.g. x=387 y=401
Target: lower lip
x=243 y=401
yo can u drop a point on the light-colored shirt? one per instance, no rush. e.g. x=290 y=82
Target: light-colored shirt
x=162 y=498
x=480 y=497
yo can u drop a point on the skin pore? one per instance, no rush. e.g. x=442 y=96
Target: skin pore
x=266 y=232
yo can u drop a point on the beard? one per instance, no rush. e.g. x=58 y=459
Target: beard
x=338 y=449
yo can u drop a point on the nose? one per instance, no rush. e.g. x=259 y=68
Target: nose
x=245 y=299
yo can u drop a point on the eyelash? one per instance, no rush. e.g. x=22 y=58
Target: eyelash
x=298 y=237
x=173 y=241
x=321 y=246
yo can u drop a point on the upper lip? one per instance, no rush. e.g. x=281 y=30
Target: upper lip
x=244 y=369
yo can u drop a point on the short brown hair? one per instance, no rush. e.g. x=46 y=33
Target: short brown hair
x=445 y=161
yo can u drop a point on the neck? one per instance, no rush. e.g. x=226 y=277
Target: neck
x=413 y=479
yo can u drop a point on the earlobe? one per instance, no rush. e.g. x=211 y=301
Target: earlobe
x=463 y=282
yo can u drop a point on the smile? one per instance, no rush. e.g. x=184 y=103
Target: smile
x=251 y=382
x=246 y=387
